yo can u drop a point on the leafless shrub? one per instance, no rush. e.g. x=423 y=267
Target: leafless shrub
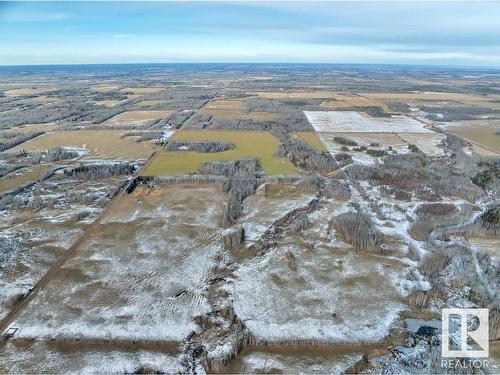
x=100 y=170
x=358 y=229
x=438 y=217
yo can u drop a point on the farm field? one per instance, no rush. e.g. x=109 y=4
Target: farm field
x=105 y=87
x=28 y=91
x=339 y=301
x=349 y=121
x=98 y=144
x=283 y=359
x=157 y=253
x=236 y=109
x=259 y=145
x=311 y=138
x=137 y=117
x=47 y=357
x=22 y=177
x=298 y=95
x=346 y=101
x=482 y=132
x=42 y=223
x=34 y=128
x=108 y=103
x=142 y=90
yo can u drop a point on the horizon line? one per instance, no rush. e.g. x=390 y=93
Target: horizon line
x=495 y=67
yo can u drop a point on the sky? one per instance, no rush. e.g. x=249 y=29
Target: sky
x=463 y=33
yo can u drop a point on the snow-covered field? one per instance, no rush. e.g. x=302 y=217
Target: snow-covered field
x=40 y=357
x=428 y=143
x=35 y=237
x=140 y=276
x=350 y=121
x=311 y=286
x=292 y=361
x=260 y=212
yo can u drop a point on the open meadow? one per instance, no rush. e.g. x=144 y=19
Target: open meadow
x=259 y=145
x=97 y=144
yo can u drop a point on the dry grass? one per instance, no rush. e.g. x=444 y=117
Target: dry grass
x=104 y=88
x=298 y=95
x=440 y=96
x=254 y=144
x=108 y=103
x=142 y=90
x=227 y=104
x=28 y=91
x=481 y=132
x=311 y=138
x=34 y=128
x=446 y=99
x=100 y=144
x=343 y=101
x=22 y=177
x=137 y=117
x=235 y=109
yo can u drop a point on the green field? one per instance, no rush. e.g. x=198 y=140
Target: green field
x=253 y=144
x=312 y=140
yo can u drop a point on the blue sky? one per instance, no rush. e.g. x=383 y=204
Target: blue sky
x=398 y=32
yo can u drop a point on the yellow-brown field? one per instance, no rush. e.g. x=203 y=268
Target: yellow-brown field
x=35 y=128
x=22 y=177
x=104 y=88
x=342 y=101
x=28 y=91
x=298 y=95
x=137 y=117
x=440 y=96
x=108 y=103
x=142 y=90
x=99 y=144
x=253 y=144
x=456 y=99
x=235 y=108
x=481 y=132
x=311 y=138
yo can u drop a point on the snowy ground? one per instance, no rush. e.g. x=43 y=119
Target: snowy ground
x=350 y=121
x=259 y=212
x=288 y=360
x=40 y=357
x=311 y=286
x=34 y=238
x=140 y=276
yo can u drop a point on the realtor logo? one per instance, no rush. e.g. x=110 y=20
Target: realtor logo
x=465 y=333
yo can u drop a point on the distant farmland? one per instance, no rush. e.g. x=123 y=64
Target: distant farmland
x=253 y=144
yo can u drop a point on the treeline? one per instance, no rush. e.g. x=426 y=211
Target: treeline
x=242 y=177
x=199 y=146
x=100 y=170
x=307 y=158
x=17 y=139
